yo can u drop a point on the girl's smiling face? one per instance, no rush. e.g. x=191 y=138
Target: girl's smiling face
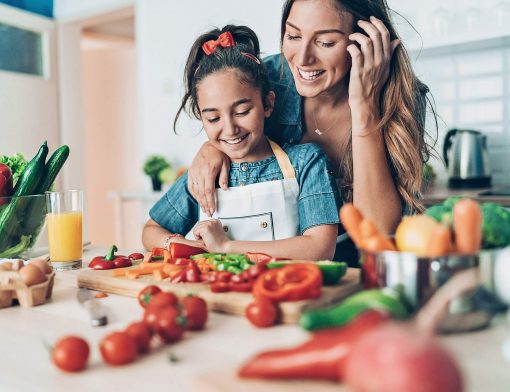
x=233 y=113
x=315 y=46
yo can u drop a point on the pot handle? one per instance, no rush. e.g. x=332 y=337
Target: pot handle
x=448 y=144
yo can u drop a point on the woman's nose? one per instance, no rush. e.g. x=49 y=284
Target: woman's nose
x=229 y=126
x=305 y=53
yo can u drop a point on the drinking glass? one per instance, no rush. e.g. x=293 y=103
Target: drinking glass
x=64 y=222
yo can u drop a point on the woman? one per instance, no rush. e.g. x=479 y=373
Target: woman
x=345 y=83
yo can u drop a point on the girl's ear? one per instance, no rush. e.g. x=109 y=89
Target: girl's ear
x=269 y=104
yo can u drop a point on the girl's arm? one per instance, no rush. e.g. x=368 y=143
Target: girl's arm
x=205 y=168
x=374 y=191
x=155 y=236
x=316 y=243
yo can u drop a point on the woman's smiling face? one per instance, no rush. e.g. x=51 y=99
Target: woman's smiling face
x=233 y=116
x=314 y=44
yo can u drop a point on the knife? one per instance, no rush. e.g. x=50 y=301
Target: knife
x=93 y=306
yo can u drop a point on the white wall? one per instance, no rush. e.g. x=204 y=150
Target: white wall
x=165 y=31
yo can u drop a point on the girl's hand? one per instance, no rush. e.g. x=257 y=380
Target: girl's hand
x=211 y=233
x=207 y=164
x=370 y=64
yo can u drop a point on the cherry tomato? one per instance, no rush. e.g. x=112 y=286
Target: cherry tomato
x=150 y=317
x=261 y=313
x=170 y=325
x=145 y=294
x=195 y=311
x=142 y=333
x=135 y=256
x=164 y=299
x=118 y=348
x=71 y=354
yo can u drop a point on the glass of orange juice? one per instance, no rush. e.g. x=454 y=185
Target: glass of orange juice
x=64 y=222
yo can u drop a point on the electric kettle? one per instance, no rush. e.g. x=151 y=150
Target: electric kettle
x=466 y=158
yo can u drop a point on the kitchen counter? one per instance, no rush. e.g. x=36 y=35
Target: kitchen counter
x=437 y=193
x=216 y=352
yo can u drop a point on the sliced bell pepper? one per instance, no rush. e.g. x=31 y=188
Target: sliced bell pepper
x=110 y=261
x=259 y=257
x=292 y=282
x=323 y=356
x=183 y=251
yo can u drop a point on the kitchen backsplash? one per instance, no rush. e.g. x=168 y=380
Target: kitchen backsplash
x=471 y=88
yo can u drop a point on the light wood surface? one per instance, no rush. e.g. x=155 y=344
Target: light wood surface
x=231 y=302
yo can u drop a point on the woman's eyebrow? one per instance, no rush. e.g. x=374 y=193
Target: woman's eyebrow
x=325 y=31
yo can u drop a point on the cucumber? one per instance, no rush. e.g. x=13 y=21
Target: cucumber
x=331 y=271
x=12 y=215
x=36 y=211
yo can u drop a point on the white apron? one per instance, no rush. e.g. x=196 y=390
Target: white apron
x=263 y=211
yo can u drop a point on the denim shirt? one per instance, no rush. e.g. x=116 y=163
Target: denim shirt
x=286 y=123
x=318 y=201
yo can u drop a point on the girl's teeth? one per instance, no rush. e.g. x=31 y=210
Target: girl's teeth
x=234 y=141
x=309 y=75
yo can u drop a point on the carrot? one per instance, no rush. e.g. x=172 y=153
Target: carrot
x=159 y=274
x=371 y=239
x=368 y=229
x=151 y=266
x=133 y=273
x=351 y=218
x=170 y=269
x=440 y=243
x=119 y=272
x=467 y=226
x=101 y=295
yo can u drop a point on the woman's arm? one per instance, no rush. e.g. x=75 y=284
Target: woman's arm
x=155 y=236
x=205 y=167
x=316 y=243
x=374 y=191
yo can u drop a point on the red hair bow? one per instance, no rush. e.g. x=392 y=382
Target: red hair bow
x=224 y=39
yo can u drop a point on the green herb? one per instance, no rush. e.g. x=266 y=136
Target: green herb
x=16 y=163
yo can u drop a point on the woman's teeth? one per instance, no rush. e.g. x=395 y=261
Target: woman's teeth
x=310 y=75
x=236 y=140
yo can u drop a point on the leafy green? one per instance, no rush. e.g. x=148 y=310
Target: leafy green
x=154 y=164
x=16 y=162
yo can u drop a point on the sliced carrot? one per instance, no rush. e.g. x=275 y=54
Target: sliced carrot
x=367 y=229
x=351 y=218
x=167 y=256
x=159 y=274
x=119 y=272
x=133 y=274
x=101 y=295
x=440 y=243
x=467 y=226
x=151 y=266
x=170 y=269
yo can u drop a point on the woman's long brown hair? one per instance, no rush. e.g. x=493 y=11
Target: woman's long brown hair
x=403 y=105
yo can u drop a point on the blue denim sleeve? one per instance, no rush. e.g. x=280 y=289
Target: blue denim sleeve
x=318 y=195
x=177 y=211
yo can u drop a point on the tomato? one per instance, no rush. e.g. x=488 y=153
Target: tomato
x=135 y=256
x=150 y=317
x=195 y=311
x=145 y=294
x=118 y=348
x=71 y=354
x=164 y=299
x=142 y=333
x=261 y=313
x=170 y=325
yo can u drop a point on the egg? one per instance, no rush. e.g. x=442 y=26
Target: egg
x=7 y=266
x=32 y=275
x=43 y=265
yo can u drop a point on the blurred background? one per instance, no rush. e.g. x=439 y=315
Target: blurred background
x=105 y=77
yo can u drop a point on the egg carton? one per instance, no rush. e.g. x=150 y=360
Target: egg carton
x=12 y=287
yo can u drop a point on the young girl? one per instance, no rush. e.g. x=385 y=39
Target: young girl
x=280 y=201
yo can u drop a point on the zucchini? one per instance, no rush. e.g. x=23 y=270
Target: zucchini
x=36 y=212
x=12 y=215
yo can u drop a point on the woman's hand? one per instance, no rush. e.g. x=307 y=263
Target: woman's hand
x=211 y=233
x=207 y=164
x=370 y=64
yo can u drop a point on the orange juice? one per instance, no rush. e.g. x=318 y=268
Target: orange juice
x=65 y=236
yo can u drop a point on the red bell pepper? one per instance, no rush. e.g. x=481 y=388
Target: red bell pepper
x=183 y=251
x=110 y=261
x=5 y=183
x=192 y=272
x=292 y=282
x=323 y=356
x=258 y=257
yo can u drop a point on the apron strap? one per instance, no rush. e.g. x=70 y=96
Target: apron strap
x=283 y=161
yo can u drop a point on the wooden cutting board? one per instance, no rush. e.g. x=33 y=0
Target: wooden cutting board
x=232 y=302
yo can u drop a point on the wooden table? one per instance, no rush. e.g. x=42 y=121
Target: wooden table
x=216 y=352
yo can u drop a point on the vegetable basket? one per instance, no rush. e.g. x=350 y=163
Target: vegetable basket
x=22 y=219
